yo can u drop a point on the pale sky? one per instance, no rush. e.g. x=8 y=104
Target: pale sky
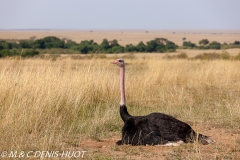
x=119 y=14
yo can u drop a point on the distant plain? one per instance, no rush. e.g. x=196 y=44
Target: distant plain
x=127 y=36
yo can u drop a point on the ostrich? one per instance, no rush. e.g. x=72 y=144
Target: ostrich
x=155 y=128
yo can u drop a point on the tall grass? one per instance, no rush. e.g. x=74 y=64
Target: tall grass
x=47 y=105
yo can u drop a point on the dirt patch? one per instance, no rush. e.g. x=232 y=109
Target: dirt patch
x=227 y=147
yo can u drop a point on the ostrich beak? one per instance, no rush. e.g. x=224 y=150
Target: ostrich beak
x=114 y=62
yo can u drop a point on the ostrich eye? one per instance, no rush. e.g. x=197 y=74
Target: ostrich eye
x=120 y=60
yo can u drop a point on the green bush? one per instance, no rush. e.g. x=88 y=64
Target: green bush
x=25 y=44
x=215 y=45
x=39 y=43
x=5 y=45
x=4 y=53
x=160 y=45
x=117 y=49
x=130 y=48
x=204 y=42
x=236 y=43
x=140 y=47
x=189 y=44
x=53 y=42
x=29 y=53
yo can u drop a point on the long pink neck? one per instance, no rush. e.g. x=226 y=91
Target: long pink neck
x=123 y=109
x=122 y=87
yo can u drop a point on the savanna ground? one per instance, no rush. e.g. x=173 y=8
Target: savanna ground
x=66 y=104
x=74 y=105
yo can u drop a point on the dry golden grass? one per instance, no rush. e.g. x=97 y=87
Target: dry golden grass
x=64 y=104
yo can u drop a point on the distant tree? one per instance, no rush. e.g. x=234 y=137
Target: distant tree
x=160 y=45
x=117 y=49
x=129 y=48
x=104 y=45
x=152 y=45
x=25 y=44
x=215 y=45
x=85 y=46
x=113 y=43
x=53 y=42
x=5 y=45
x=170 y=46
x=69 y=44
x=39 y=43
x=84 y=49
x=141 y=47
x=95 y=48
x=14 y=44
x=8 y=52
x=87 y=42
x=236 y=42
x=4 y=53
x=29 y=53
x=161 y=48
x=204 y=42
x=189 y=44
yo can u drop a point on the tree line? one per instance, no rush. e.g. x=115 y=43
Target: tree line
x=32 y=46
x=159 y=45
x=205 y=44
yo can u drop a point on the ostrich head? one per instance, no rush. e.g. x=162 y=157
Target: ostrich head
x=119 y=62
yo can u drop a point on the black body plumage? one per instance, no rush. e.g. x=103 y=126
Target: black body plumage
x=156 y=129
